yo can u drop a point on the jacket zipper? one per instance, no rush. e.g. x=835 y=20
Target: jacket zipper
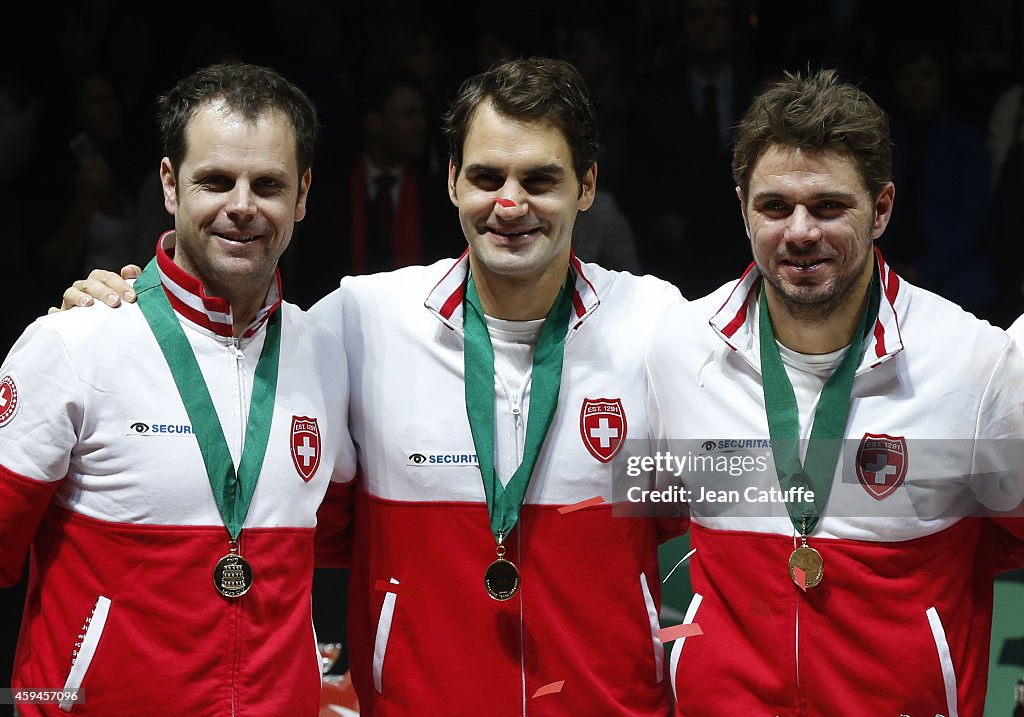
x=520 y=434
x=243 y=416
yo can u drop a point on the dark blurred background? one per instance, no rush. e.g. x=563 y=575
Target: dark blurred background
x=79 y=151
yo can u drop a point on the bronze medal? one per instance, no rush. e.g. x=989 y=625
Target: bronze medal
x=233 y=576
x=501 y=579
x=809 y=560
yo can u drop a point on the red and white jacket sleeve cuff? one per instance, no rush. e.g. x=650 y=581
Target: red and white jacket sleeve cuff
x=333 y=538
x=23 y=501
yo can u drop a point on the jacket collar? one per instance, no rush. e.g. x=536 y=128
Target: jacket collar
x=734 y=324
x=445 y=300
x=189 y=299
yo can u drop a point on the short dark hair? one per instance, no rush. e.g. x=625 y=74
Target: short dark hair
x=536 y=89
x=249 y=90
x=816 y=112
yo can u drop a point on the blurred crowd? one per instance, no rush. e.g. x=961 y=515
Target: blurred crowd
x=79 y=147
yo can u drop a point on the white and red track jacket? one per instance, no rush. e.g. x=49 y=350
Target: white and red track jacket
x=900 y=623
x=426 y=638
x=101 y=475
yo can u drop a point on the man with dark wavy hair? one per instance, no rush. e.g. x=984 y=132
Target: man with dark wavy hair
x=481 y=417
x=891 y=423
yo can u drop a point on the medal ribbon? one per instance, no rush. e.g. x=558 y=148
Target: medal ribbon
x=505 y=502
x=232 y=491
x=819 y=466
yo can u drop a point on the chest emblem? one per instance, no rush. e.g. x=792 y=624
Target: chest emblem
x=8 y=399
x=881 y=463
x=305 y=446
x=603 y=427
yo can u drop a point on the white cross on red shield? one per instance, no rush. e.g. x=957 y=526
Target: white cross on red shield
x=603 y=427
x=305 y=446
x=8 y=399
x=881 y=463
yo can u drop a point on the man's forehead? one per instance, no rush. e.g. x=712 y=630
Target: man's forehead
x=486 y=112
x=216 y=135
x=796 y=155
x=217 y=110
x=835 y=162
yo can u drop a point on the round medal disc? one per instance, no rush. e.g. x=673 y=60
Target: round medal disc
x=501 y=579
x=809 y=560
x=233 y=576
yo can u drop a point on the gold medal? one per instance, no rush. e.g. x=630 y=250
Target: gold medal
x=233 y=575
x=502 y=576
x=501 y=579
x=809 y=561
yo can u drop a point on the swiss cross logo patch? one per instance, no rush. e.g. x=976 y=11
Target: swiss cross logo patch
x=603 y=427
x=305 y=446
x=8 y=399
x=881 y=463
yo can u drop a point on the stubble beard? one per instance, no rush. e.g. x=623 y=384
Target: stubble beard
x=811 y=304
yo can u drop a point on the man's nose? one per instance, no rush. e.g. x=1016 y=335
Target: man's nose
x=242 y=202
x=802 y=227
x=510 y=204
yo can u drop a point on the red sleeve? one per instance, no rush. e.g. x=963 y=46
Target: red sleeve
x=333 y=539
x=673 y=527
x=23 y=502
x=1009 y=544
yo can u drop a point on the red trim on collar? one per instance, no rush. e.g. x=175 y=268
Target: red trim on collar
x=879 y=339
x=577 y=300
x=186 y=281
x=216 y=315
x=454 y=301
x=741 y=316
x=448 y=294
x=890 y=279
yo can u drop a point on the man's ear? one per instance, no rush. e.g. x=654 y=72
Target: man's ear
x=743 y=211
x=300 y=204
x=883 y=210
x=452 y=176
x=588 y=187
x=170 y=185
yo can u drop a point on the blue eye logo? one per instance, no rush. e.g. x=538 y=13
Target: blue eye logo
x=139 y=427
x=418 y=458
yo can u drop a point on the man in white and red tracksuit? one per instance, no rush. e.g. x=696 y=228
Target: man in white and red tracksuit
x=902 y=413
x=164 y=462
x=431 y=633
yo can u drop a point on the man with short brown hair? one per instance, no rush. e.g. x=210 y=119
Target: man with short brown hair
x=165 y=461
x=852 y=572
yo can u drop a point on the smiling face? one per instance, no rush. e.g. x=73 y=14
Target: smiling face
x=812 y=225
x=526 y=236
x=235 y=200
